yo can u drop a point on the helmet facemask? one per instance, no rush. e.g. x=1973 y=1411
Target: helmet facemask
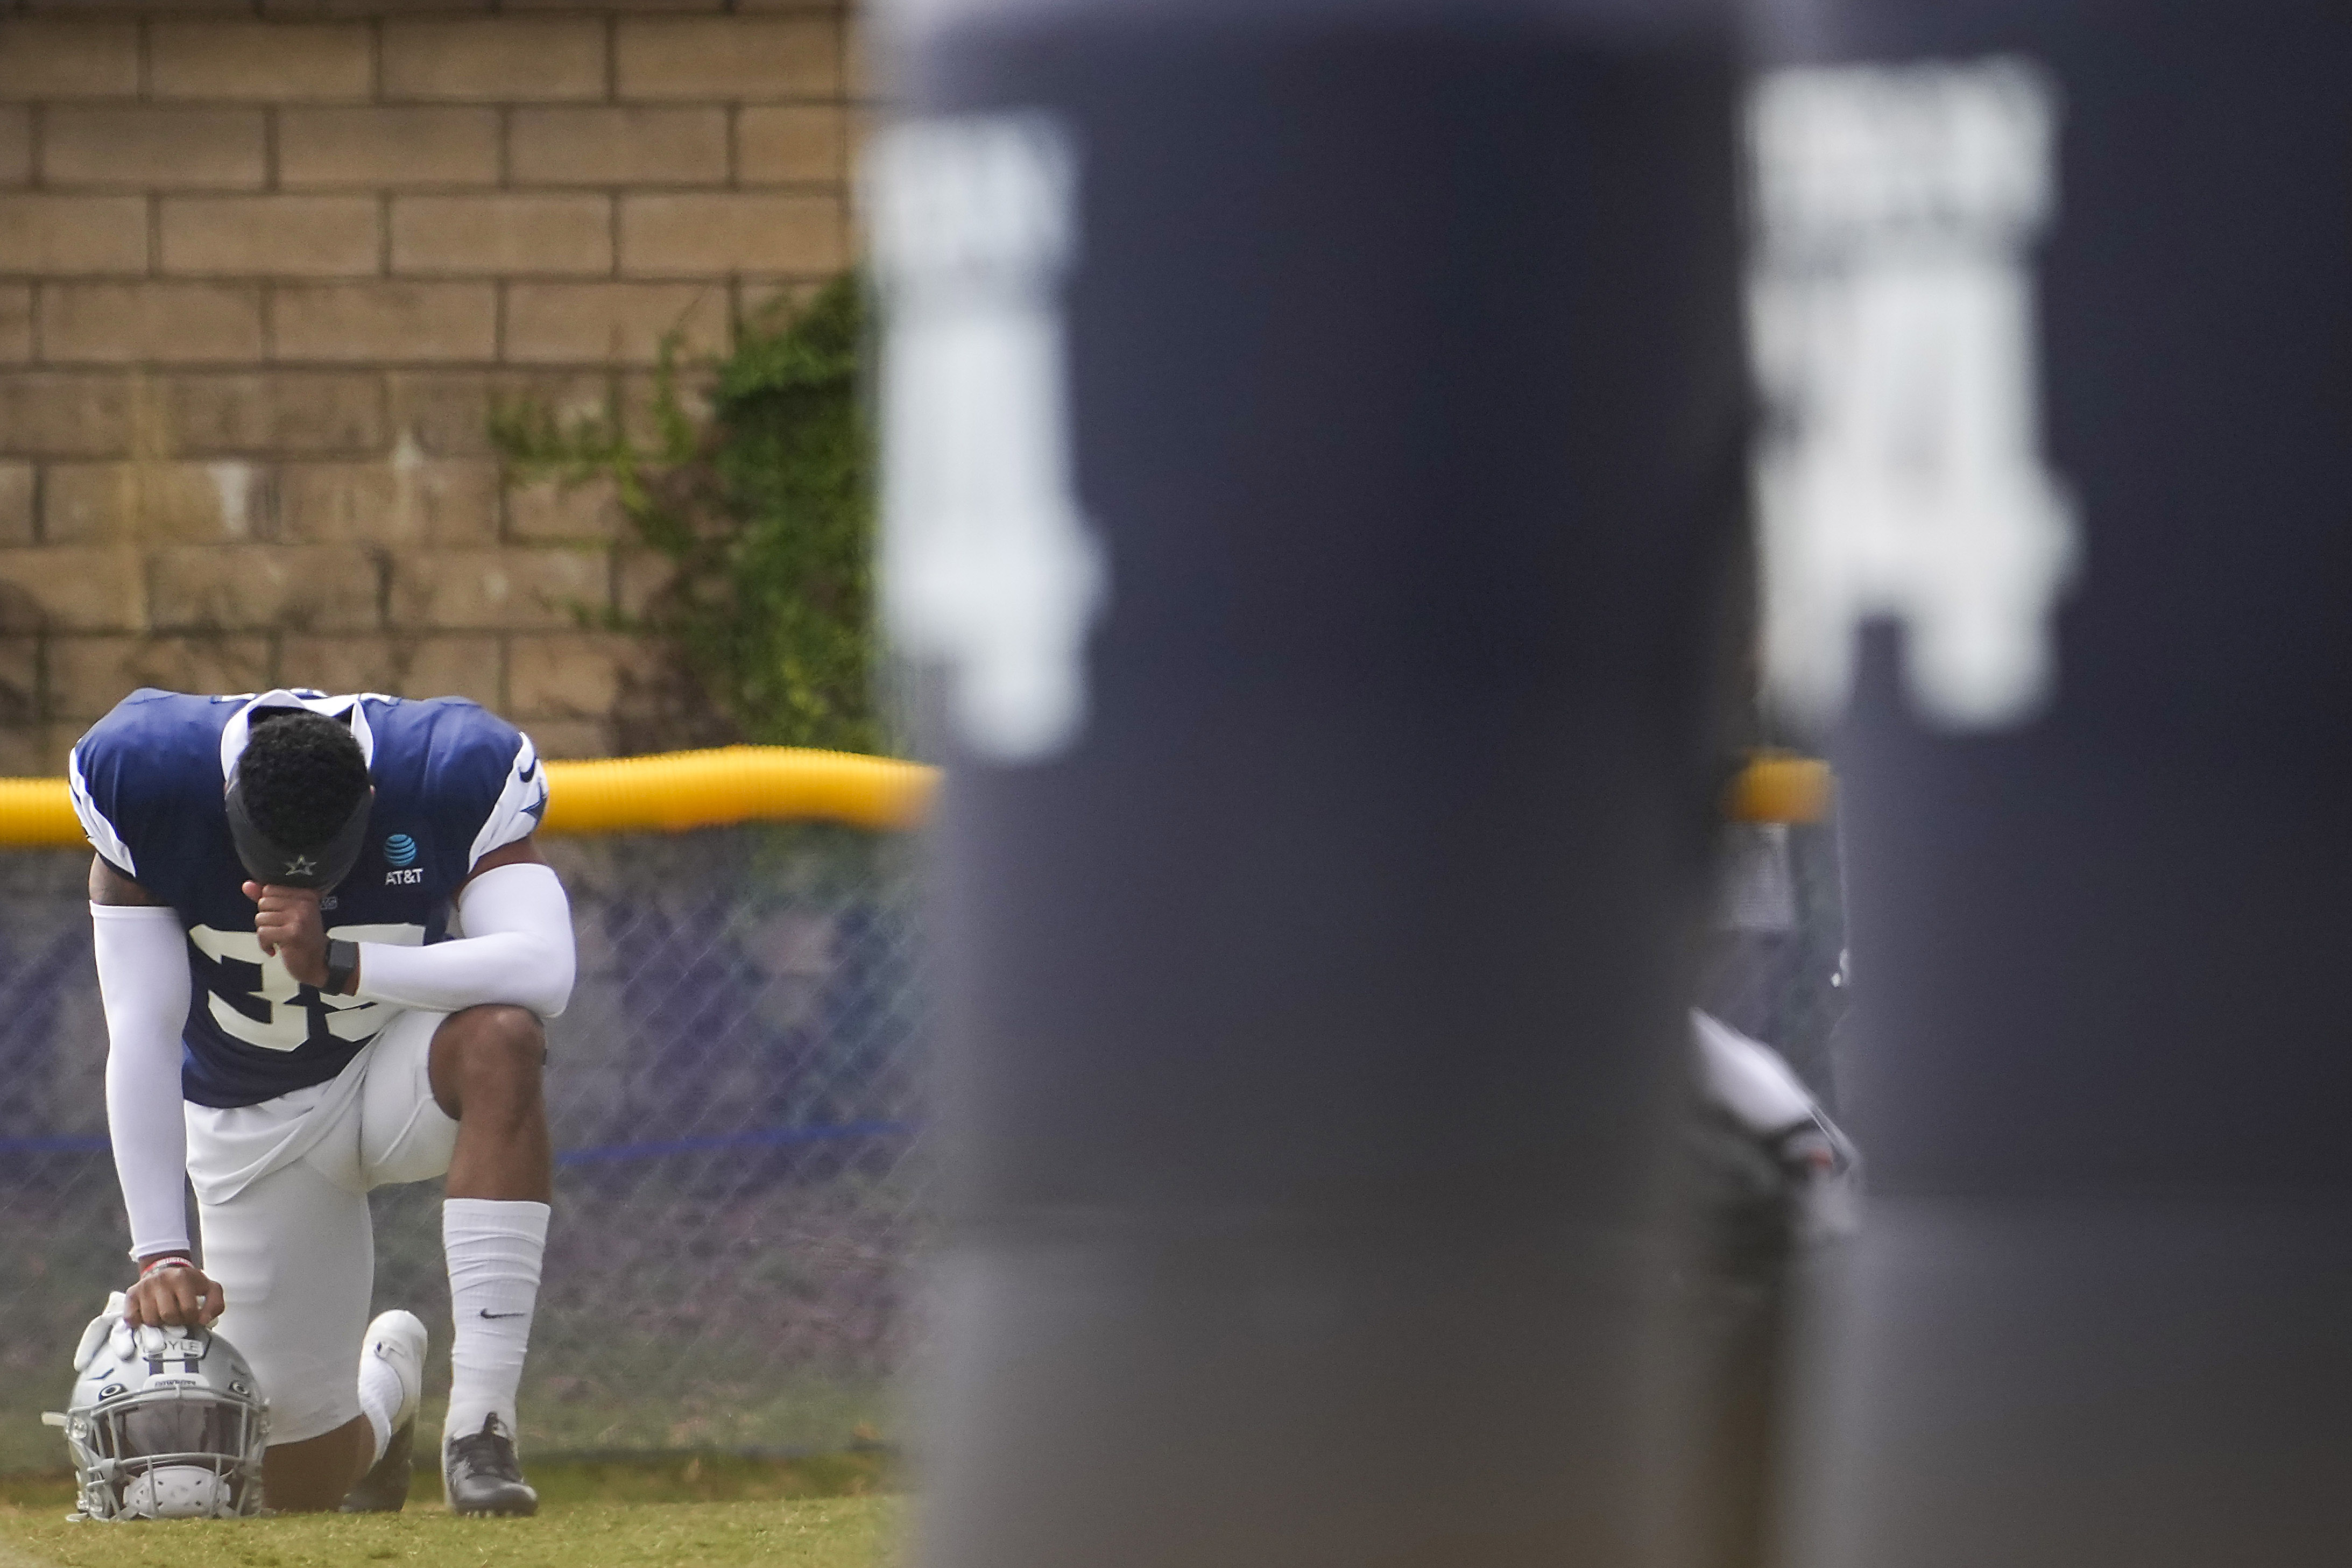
x=166 y=1424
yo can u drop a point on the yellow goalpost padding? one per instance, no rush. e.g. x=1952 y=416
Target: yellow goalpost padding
x=665 y=794
x=680 y=790
x=1781 y=789
x=35 y=812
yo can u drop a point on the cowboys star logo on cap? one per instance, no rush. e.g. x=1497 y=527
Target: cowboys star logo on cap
x=301 y=866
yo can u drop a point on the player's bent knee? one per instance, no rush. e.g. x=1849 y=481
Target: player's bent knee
x=507 y=1041
x=493 y=1049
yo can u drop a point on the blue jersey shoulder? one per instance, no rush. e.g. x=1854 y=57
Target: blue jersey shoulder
x=453 y=779
x=149 y=773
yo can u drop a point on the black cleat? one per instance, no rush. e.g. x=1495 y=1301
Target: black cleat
x=384 y=1488
x=481 y=1476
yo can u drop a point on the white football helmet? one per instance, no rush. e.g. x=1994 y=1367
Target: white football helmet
x=164 y=1423
x=1751 y=1083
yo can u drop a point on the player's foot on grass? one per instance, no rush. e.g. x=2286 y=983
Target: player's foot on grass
x=481 y=1475
x=395 y=1341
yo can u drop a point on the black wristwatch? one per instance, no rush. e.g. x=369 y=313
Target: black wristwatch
x=342 y=963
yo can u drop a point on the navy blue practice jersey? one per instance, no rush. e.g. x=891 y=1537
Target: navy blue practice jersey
x=453 y=782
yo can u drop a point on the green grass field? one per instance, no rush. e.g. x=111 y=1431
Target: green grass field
x=716 y=1511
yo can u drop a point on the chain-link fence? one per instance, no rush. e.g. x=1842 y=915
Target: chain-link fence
x=734 y=1092
x=736 y=1107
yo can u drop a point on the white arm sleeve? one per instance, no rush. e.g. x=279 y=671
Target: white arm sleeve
x=517 y=949
x=142 y=981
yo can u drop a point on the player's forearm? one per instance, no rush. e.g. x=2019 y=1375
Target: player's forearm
x=517 y=950
x=144 y=984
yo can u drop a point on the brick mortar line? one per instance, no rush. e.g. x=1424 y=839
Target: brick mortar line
x=735 y=100
x=259 y=457
x=716 y=185
x=395 y=100
x=380 y=558
x=380 y=100
x=710 y=100
x=824 y=186
x=83 y=190
x=119 y=371
x=167 y=369
x=511 y=366
x=165 y=107
x=43 y=706
x=231 y=100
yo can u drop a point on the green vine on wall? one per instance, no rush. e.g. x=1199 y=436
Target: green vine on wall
x=764 y=507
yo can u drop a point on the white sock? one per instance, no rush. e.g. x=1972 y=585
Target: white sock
x=379 y=1401
x=493 y=1247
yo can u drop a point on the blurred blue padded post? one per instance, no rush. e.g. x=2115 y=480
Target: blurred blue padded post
x=1314 y=480
x=2054 y=327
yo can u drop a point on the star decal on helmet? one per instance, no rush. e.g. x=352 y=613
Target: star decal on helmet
x=301 y=866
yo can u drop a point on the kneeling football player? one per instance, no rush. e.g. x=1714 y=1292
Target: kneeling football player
x=326 y=941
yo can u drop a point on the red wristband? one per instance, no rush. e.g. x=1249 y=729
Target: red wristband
x=169 y=1260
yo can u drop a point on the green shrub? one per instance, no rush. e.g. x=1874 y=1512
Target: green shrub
x=763 y=506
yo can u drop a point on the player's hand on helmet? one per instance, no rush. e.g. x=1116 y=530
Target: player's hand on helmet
x=287 y=922
x=177 y=1295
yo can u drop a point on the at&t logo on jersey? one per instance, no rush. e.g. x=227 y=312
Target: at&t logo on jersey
x=400 y=854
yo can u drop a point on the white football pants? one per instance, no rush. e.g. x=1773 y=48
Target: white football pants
x=281 y=1194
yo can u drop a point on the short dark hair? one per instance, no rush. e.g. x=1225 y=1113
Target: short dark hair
x=301 y=777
